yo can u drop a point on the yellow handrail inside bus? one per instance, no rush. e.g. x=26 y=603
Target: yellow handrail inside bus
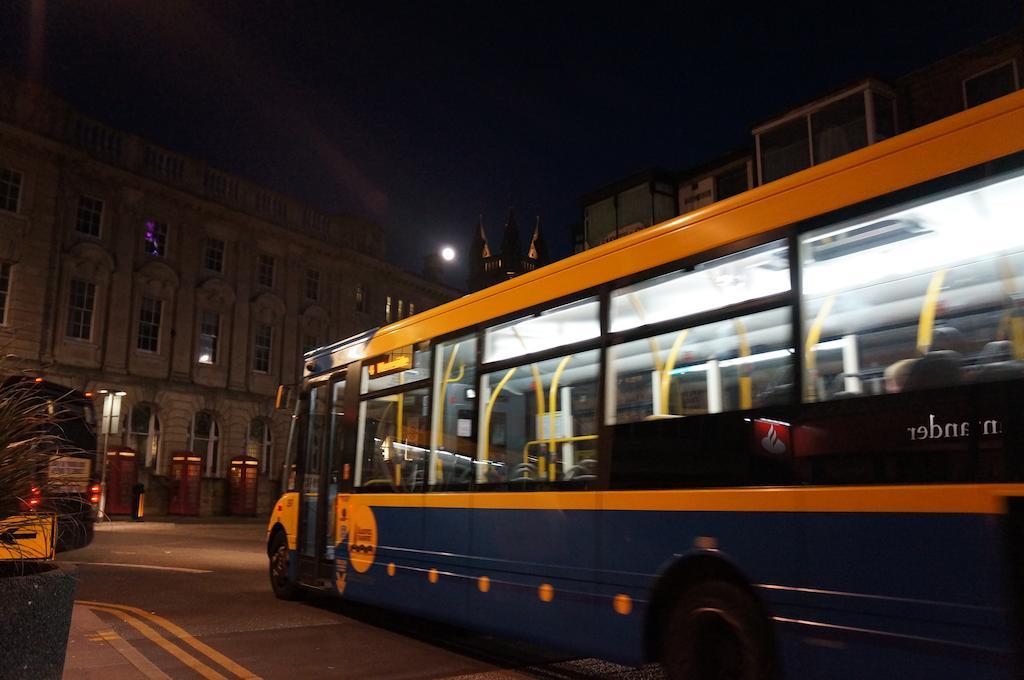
x=746 y=382
x=558 y=440
x=553 y=403
x=538 y=384
x=813 y=336
x=485 y=427
x=438 y=435
x=666 y=370
x=926 y=323
x=1015 y=322
x=642 y=313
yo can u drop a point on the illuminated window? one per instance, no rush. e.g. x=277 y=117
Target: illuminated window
x=10 y=189
x=401 y=309
x=263 y=341
x=748 y=275
x=204 y=440
x=387 y=309
x=81 y=303
x=209 y=331
x=90 y=216
x=143 y=433
x=412 y=309
x=149 y=324
x=5 y=290
x=574 y=322
x=868 y=283
x=213 y=255
x=156 y=238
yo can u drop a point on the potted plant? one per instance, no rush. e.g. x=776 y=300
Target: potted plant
x=36 y=593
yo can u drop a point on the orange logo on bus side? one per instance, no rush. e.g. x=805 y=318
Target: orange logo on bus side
x=362 y=537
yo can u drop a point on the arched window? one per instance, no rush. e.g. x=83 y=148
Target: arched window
x=204 y=437
x=143 y=433
x=258 y=441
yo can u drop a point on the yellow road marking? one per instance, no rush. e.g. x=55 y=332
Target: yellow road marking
x=132 y=655
x=180 y=654
x=180 y=633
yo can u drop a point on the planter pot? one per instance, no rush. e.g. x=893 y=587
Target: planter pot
x=36 y=600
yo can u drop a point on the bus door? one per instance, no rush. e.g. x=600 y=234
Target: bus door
x=308 y=481
x=332 y=480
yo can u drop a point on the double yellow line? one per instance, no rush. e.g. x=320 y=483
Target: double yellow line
x=138 y=618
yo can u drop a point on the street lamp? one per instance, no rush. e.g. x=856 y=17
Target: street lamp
x=109 y=423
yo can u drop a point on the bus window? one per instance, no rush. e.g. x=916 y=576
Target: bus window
x=740 y=363
x=539 y=422
x=751 y=274
x=454 y=441
x=926 y=295
x=394 y=435
x=565 y=325
x=420 y=371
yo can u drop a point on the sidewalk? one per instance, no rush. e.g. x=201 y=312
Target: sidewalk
x=95 y=652
x=120 y=522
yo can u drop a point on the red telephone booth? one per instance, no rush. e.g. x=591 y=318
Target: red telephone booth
x=186 y=474
x=122 y=475
x=244 y=480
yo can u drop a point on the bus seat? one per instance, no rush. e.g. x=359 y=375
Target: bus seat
x=935 y=369
x=524 y=472
x=583 y=471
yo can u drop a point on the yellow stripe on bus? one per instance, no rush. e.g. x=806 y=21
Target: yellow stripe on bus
x=939 y=498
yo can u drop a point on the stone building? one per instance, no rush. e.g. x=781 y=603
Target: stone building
x=849 y=118
x=124 y=264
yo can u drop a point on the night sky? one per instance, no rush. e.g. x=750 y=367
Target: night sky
x=421 y=116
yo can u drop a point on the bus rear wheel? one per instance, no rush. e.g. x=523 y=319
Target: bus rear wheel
x=280 y=563
x=716 y=631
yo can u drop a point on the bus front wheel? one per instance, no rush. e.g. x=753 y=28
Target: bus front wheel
x=716 y=631
x=280 y=562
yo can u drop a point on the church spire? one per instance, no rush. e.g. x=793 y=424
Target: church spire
x=538 y=250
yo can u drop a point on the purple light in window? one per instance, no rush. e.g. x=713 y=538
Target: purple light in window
x=151 y=238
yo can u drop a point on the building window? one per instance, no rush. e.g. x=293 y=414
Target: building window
x=312 y=284
x=401 y=309
x=990 y=84
x=263 y=343
x=5 y=290
x=149 y=324
x=143 y=433
x=412 y=309
x=81 y=302
x=362 y=298
x=258 y=442
x=213 y=255
x=731 y=182
x=90 y=216
x=204 y=436
x=387 y=308
x=209 y=331
x=10 y=189
x=156 y=238
x=265 y=271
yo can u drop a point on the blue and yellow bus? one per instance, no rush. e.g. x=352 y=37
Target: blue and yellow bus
x=779 y=436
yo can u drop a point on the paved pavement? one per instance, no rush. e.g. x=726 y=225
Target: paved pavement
x=190 y=599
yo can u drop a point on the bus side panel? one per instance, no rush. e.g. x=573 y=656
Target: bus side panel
x=914 y=595
x=638 y=547
x=384 y=543
x=447 y=541
x=540 y=566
